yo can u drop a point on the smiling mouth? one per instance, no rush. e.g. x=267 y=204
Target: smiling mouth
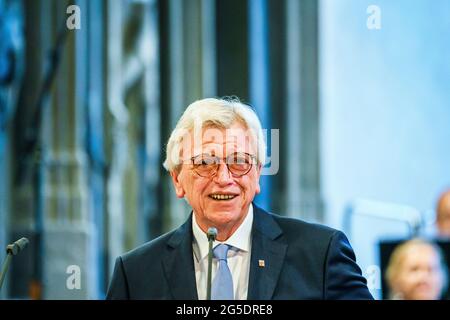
x=222 y=197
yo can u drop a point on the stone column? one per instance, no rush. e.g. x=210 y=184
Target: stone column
x=303 y=196
x=67 y=223
x=117 y=122
x=50 y=203
x=189 y=74
x=12 y=60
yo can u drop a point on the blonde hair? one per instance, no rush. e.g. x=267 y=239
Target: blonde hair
x=216 y=113
x=398 y=256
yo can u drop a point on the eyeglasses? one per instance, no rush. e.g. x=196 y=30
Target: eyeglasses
x=239 y=164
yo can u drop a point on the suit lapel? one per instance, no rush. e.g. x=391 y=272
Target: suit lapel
x=179 y=264
x=268 y=252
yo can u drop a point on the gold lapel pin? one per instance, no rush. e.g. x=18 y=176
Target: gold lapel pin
x=261 y=263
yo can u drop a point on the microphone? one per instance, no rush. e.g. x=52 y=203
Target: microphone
x=17 y=246
x=211 y=235
x=12 y=250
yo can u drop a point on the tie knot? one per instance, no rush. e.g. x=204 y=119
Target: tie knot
x=221 y=251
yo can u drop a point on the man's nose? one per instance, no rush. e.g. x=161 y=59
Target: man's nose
x=423 y=274
x=223 y=174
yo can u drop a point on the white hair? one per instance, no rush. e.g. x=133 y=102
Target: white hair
x=216 y=113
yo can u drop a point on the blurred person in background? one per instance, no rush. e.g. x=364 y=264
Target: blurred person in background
x=443 y=215
x=417 y=271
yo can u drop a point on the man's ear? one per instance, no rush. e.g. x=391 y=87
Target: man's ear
x=258 y=175
x=176 y=183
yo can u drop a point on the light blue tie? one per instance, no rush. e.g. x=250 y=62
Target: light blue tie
x=222 y=286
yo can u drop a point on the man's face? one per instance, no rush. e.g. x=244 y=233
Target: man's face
x=221 y=200
x=420 y=275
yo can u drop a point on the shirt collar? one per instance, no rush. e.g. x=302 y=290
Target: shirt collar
x=240 y=239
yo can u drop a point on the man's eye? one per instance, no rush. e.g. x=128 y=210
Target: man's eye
x=207 y=162
x=240 y=160
x=204 y=161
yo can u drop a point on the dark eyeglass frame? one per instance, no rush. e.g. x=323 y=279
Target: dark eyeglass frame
x=217 y=161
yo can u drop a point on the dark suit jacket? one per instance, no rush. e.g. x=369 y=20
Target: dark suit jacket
x=302 y=261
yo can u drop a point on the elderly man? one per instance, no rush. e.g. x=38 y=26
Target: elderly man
x=215 y=156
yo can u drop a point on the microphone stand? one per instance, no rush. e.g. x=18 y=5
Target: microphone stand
x=11 y=250
x=212 y=234
x=5 y=268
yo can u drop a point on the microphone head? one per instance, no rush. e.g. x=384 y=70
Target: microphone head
x=17 y=246
x=211 y=234
x=22 y=243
